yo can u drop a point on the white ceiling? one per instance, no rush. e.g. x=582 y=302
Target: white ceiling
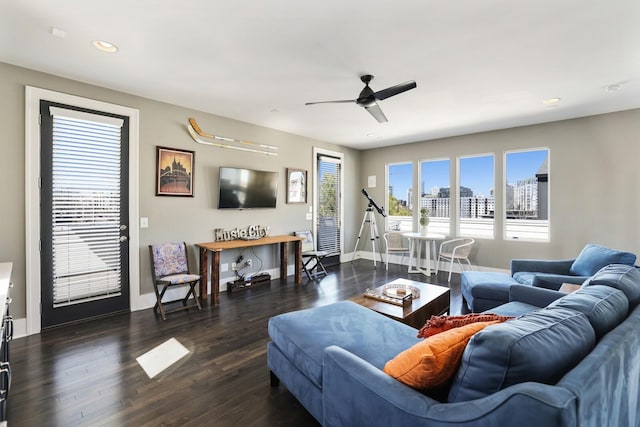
x=479 y=65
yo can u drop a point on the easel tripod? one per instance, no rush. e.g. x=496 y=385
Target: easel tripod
x=370 y=218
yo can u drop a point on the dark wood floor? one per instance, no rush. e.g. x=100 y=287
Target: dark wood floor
x=86 y=374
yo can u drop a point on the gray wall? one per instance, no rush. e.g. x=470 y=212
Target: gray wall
x=593 y=176
x=170 y=218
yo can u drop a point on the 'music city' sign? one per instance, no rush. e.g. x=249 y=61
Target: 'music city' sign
x=251 y=232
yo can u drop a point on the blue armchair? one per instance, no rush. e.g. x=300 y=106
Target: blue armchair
x=552 y=274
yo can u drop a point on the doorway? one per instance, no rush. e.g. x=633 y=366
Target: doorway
x=84 y=213
x=33 y=97
x=328 y=204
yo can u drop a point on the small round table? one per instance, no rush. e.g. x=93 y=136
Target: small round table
x=415 y=250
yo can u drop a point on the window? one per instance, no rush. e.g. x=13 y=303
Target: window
x=435 y=194
x=527 y=195
x=476 y=205
x=400 y=197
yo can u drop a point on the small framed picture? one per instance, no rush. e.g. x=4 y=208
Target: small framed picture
x=296 y=186
x=174 y=172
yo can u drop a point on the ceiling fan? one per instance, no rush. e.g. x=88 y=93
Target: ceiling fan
x=368 y=97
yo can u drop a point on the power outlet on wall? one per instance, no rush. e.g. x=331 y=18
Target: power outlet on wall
x=234 y=266
x=249 y=263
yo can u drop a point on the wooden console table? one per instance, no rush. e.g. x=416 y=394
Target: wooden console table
x=212 y=264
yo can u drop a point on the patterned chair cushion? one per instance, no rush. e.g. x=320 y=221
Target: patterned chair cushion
x=169 y=259
x=176 y=279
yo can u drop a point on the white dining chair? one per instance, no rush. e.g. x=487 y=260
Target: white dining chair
x=395 y=243
x=455 y=250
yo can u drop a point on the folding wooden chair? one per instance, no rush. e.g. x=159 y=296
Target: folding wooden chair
x=170 y=267
x=311 y=258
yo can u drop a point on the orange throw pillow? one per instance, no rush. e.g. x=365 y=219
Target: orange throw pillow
x=438 y=324
x=430 y=363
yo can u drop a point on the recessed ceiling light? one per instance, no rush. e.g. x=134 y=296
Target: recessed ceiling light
x=551 y=102
x=105 y=46
x=371 y=135
x=614 y=87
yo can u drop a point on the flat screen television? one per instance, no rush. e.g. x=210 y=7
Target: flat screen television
x=247 y=188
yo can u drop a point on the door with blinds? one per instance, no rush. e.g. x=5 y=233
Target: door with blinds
x=84 y=213
x=329 y=215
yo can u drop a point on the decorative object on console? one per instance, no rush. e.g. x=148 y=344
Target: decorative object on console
x=249 y=233
x=196 y=133
x=296 y=186
x=174 y=172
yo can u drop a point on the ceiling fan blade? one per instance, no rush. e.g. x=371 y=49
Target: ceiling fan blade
x=344 y=101
x=394 y=90
x=375 y=110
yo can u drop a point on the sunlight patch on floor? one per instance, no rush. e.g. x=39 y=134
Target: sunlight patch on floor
x=161 y=357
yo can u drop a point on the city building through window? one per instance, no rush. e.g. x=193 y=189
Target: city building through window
x=527 y=195
x=400 y=197
x=476 y=202
x=435 y=194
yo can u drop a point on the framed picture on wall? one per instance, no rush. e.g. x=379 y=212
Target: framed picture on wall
x=174 y=172
x=296 y=186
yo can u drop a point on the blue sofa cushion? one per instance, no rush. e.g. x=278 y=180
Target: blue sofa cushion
x=594 y=257
x=513 y=308
x=525 y=277
x=484 y=290
x=604 y=306
x=540 y=346
x=546 y=280
x=623 y=277
x=303 y=335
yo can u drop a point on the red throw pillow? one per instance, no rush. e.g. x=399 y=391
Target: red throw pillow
x=438 y=324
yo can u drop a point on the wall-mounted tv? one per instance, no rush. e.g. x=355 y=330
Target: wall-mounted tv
x=247 y=188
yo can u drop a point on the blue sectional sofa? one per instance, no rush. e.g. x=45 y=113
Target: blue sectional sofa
x=572 y=363
x=485 y=290
x=553 y=273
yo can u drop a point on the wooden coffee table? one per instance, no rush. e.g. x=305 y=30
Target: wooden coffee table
x=433 y=301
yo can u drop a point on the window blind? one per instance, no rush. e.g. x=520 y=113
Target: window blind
x=86 y=166
x=329 y=227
